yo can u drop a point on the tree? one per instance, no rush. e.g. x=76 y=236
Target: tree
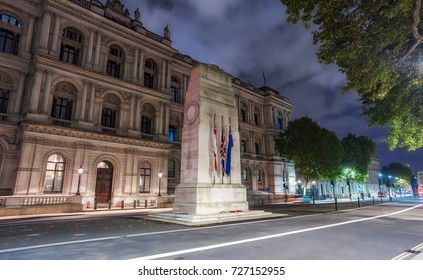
x=358 y=153
x=377 y=44
x=400 y=171
x=316 y=151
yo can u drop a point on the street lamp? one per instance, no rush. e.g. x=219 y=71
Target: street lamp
x=348 y=181
x=160 y=179
x=80 y=170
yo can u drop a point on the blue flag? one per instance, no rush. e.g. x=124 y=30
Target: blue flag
x=229 y=153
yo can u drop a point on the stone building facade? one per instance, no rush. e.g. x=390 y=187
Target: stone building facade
x=92 y=102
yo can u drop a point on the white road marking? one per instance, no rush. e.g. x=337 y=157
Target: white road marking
x=204 y=248
x=194 y=229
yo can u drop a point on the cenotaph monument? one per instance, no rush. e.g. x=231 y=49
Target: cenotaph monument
x=210 y=190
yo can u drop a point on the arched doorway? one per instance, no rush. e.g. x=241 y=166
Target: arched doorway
x=103 y=186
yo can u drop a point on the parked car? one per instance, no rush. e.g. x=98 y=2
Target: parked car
x=381 y=194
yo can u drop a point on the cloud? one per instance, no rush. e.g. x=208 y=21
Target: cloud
x=247 y=38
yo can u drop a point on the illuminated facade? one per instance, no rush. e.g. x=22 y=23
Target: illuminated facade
x=83 y=85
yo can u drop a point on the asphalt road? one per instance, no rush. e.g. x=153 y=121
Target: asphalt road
x=379 y=232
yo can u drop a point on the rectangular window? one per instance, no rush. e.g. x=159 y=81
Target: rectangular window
x=145 y=125
x=171 y=169
x=108 y=118
x=8 y=41
x=279 y=123
x=175 y=94
x=256 y=148
x=148 y=80
x=256 y=119
x=113 y=69
x=69 y=55
x=4 y=100
x=172 y=133
x=62 y=108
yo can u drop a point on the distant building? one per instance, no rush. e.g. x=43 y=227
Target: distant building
x=420 y=178
x=85 y=87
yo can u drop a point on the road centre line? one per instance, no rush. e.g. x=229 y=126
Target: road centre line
x=215 y=246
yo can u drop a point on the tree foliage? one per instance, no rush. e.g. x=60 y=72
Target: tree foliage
x=316 y=151
x=396 y=169
x=377 y=44
x=358 y=153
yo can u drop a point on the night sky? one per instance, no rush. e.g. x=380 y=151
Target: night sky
x=250 y=37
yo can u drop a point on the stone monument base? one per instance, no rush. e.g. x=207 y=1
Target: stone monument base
x=206 y=203
x=208 y=198
x=200 y=220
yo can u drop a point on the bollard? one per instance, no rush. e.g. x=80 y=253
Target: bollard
x=146 y=203
x=313 y=201
x=135 y=204
x=123 y=204
x=95 y=204
x=358 y=202
x=373 y=200
x=336 y=204
x=110 y=204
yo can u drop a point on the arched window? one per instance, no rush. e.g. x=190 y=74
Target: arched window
x=115 y=62
x=10 y=34
x=145 y=177
x=150 y=73
x=71 y=47
x=54 y=175
x=175 y=89
x=171 y=169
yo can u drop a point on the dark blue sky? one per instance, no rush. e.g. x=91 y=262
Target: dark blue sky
x=249 y=37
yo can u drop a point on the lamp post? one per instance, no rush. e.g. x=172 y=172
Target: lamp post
x=80 y=170
x=348 y=181
x=160 y=180
x=298 y=186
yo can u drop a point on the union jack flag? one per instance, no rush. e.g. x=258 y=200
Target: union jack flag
x=223 y=151
x=214 y=152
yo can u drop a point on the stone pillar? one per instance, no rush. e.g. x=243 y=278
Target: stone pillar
x=141 y=68
x=19 y=93
x=166 y=120
x=56 y=34
x=47 y=89
x=138 y=113
x=89 y=62
x=45 y=32
x=29 y=36
x=131 y=112
x=135 y=67
x=35 y=93
x=97 y=52
x=83 y=102
x=91 y=105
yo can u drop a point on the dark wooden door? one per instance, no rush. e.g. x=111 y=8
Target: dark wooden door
x=103 y=187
